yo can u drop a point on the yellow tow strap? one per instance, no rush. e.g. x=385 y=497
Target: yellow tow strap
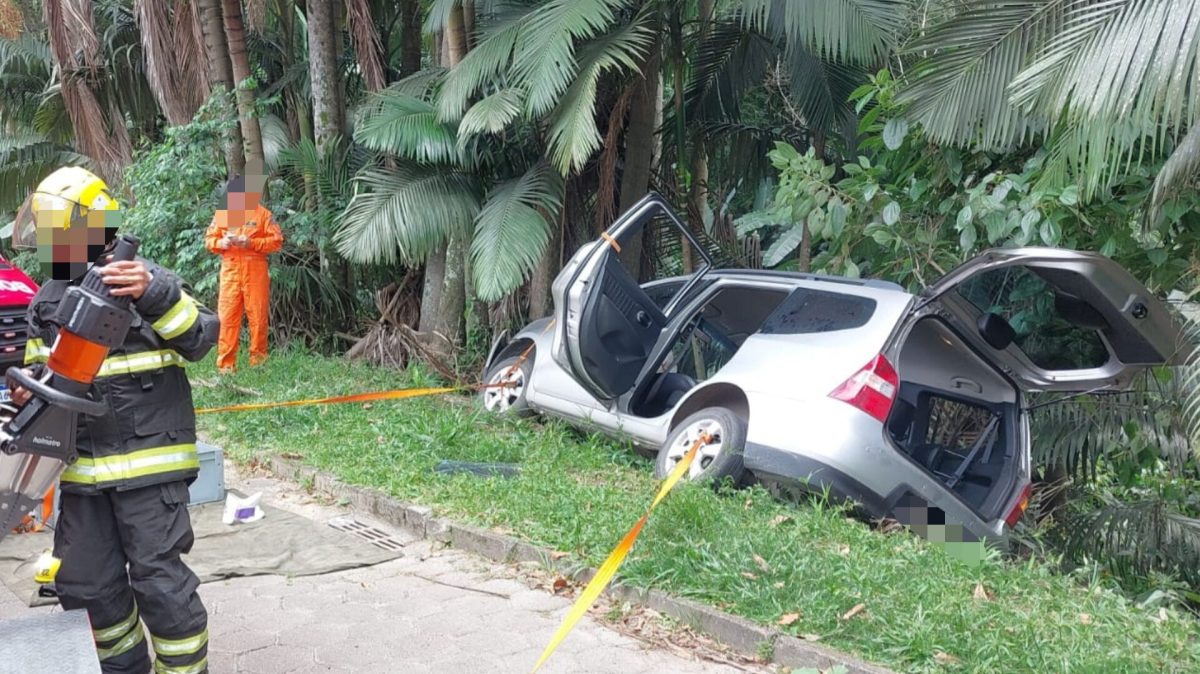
x=609 y=569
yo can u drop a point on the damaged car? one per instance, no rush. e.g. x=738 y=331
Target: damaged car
x=912 y=406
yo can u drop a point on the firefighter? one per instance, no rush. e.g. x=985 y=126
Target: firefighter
x=243 y=234
x=124 y=525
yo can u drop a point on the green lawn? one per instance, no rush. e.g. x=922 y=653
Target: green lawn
x=579 y=494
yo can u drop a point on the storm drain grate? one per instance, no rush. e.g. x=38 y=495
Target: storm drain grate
x=367 y=533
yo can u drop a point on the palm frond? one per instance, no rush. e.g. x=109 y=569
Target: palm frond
x=1135 y=539
x=1177 y=173
x=545 y=58
x=820 y=88
x=493 y=113
x=574 y=136
x=367 y=46
x=405 y=212
x=512 y=230
x=420 y=84
x=959 y=91
x=159 y=44
x=1117 y=59
x=730 y=61
x=1077 y=433
x=860 y=31
x=483 y=64
x=408 y=127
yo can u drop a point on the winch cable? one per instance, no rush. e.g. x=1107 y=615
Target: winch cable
x=395 y=394
x=609 y=568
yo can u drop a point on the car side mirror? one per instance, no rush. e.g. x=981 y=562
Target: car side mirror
x=1079 y=312
x=996 y=331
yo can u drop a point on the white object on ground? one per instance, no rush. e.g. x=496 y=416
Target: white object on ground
x=242 y=508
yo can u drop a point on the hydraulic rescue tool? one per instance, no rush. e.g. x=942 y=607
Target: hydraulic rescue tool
x=37 y=439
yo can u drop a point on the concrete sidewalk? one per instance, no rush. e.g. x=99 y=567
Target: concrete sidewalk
x=433 y=610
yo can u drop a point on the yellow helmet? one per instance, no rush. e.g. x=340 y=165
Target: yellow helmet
x=69 y=197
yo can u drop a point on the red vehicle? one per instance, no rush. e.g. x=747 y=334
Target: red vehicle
x=16 y=292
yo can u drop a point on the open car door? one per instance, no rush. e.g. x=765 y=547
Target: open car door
x=606 y=324
x=1058 y=320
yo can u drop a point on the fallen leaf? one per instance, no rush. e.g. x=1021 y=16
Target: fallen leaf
x=367 y=406
x=1085 y=618
x=559 y=584
x=751 y=576
x=788 y=618
x=558 y=554
x=749 y=502
x=858 y=608
x=780 y=519
x=844 y=550
x=981 y=593
x=779 y=585
x=1162 y=614
x=811 y=637
x=762 y=564
x=381 y=439
x=945 y=658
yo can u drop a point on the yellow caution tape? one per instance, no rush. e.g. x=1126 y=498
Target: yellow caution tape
x=609 y=569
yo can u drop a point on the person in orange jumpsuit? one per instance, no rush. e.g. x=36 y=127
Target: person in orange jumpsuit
x=243 y=234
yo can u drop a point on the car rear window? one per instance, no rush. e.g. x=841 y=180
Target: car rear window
x=808 y=311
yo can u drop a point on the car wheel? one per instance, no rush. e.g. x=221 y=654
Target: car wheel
x=504 y=390
x=720 y=458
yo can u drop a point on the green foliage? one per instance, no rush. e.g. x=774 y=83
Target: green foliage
x=909 y=210
x=174 y=187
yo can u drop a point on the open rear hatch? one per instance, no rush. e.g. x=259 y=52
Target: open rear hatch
x=1057 y=320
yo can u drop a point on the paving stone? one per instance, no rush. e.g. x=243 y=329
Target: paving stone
x=240 y=641
x=275 y=660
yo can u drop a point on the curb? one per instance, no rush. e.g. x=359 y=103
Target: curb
x=745 y=636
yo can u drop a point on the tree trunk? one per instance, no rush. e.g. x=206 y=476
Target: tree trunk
x=235 y=35
x=431 y=296
x=367 y=46
x=323 y=73
x=639 y=143
x=454 y=292
x=410 y=52
x=540 y=302
x=220 y=74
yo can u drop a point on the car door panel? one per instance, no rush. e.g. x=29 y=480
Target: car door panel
x=1058 y=320
x=607 y=324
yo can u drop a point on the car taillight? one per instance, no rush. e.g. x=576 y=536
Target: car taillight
x=1018 y=510
x=871 y=389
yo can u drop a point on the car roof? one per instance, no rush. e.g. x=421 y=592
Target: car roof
x=791 y=276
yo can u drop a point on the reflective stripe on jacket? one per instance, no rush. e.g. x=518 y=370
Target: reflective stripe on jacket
x=149 y=434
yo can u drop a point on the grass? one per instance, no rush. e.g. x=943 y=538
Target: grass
x=924 y=610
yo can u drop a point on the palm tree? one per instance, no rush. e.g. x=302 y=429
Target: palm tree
x=324 y=75
x=76 y=52
x=1103 y=84
x=235 y=36
x=220 y=73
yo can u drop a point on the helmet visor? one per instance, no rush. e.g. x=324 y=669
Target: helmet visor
x=39 y=217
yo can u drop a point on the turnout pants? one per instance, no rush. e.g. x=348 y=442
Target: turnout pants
x=121 y=561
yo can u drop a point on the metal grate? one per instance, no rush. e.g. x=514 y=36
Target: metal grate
x=370 y=534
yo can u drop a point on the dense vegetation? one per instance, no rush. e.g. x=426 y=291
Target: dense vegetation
x=437 y=161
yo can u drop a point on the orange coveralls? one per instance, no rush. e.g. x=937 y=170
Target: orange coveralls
x=245 y=280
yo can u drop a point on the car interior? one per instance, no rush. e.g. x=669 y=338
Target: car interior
x=956 y=416
x=705 y=344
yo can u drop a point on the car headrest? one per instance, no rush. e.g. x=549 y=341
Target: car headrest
x=996 y=331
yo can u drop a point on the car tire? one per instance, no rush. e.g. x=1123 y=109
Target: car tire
x=508 y=401
x=724 y=462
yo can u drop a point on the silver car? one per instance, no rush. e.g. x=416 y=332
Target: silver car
x=911 y=406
